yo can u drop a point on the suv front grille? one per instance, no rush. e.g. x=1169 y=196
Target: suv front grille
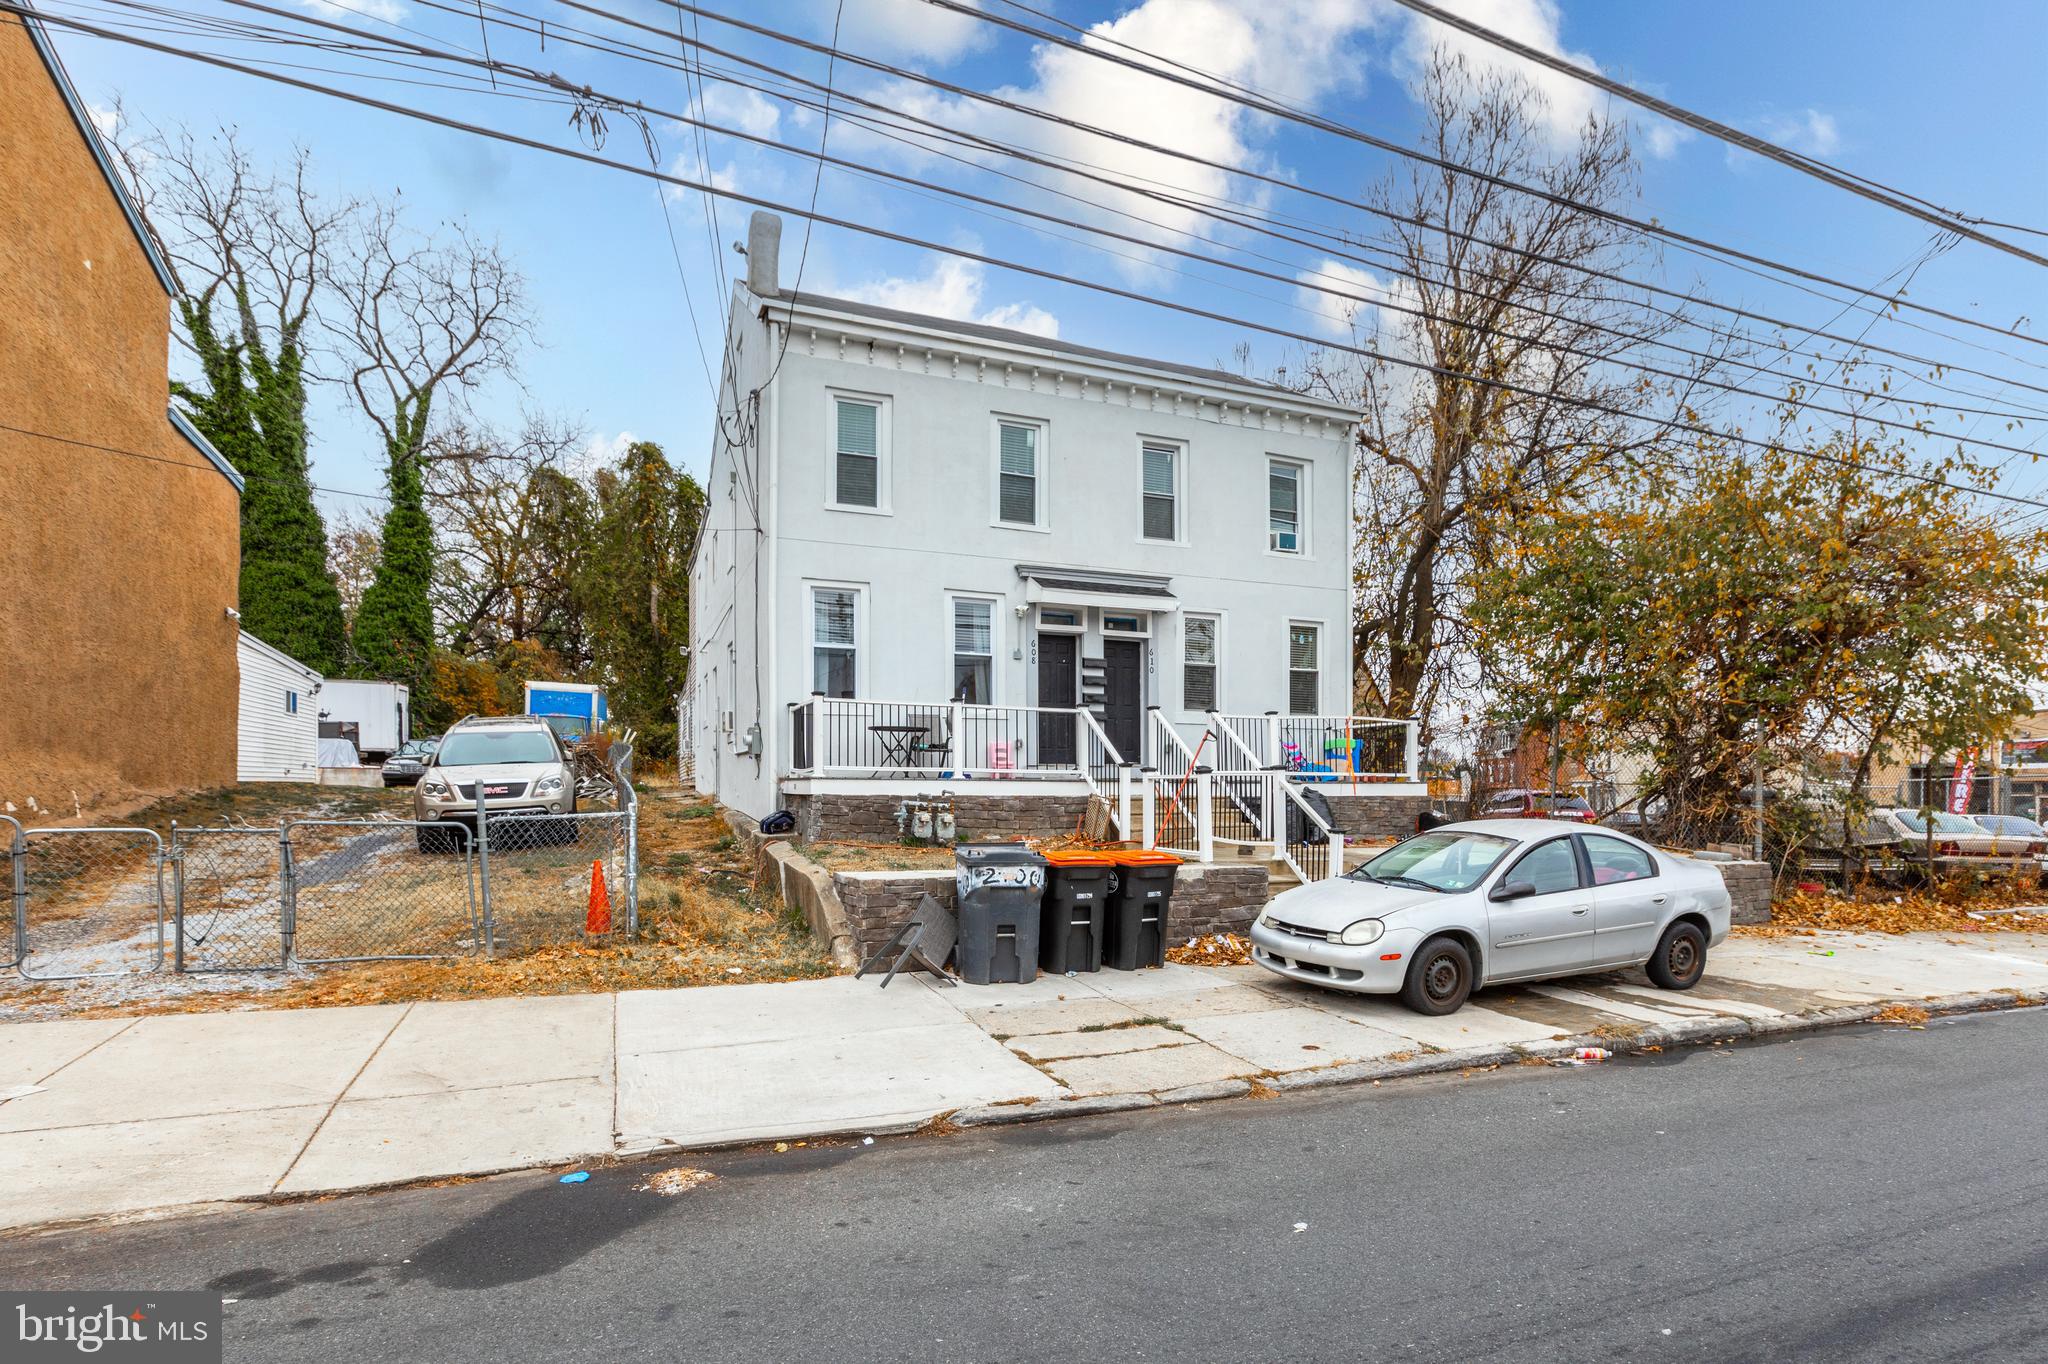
x=500 y=790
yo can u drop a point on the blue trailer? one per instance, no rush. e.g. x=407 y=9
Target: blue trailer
x=572 y=709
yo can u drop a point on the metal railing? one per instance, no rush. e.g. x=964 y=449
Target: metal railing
x=948 y=740
x=1311 y=846
x=1338 y=748
x=90 y=901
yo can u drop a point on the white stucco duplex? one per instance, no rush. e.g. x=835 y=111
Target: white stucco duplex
x=910 y=509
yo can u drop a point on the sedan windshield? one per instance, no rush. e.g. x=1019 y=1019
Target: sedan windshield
x=2010 y=826
x=1944 y=823
x=479 y=747
x=1440 y=861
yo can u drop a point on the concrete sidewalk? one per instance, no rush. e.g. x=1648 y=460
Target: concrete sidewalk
x=136 y=1114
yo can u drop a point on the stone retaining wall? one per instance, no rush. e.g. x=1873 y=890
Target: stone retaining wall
x=1216 y=898
x=1363 y=817
x=1749 y=890
x=872 y=818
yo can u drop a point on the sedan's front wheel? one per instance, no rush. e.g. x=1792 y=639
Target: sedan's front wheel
x=1680 y=959
x=1439 y=977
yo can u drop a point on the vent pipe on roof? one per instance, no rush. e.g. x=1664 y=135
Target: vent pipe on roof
x=764 y=254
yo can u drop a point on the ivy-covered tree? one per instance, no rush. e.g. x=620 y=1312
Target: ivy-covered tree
x=420 y=319
x=247 y=254
x=634 y=581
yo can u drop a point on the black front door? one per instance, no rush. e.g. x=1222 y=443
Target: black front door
x=1056 y=654
x=1124 y=695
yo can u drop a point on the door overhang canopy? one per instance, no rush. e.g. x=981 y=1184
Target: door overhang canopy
x=1052 y=586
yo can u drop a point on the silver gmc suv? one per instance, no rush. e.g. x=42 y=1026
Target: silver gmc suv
x=515 y=758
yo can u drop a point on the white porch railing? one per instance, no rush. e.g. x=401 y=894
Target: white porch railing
x=949 y=740
x=1329 y=747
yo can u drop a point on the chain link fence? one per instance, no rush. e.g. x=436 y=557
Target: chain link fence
x=93 y=902
x=90 y=903
x=229 y=904
x=363 y=890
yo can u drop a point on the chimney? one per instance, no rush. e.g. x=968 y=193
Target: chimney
x=764 y=254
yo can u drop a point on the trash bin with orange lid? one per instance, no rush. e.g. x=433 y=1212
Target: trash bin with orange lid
x=1137 y=908
x=1077 y=885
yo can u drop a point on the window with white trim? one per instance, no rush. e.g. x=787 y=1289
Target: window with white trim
x=291 y=703
x=1160 y=515
x=1019 y=479
x=974 y=650
x=835 y=636
x=856 y=453
x=1285 y=484
x=1304 y=657
x=1198 y=663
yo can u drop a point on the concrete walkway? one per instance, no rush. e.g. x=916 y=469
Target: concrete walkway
x=137 y=1114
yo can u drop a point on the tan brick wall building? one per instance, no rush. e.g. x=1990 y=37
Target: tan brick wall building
x=117 y=570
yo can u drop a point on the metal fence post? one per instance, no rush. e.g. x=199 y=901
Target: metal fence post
x=483 y=871
x=17 y=857
x=287 y=890
x=177 y=901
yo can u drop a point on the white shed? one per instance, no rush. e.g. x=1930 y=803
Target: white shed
x=278 y=738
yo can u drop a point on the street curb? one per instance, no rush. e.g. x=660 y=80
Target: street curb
x=990 y=1115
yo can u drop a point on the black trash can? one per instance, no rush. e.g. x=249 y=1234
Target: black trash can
x=1000 y=886
x=1137 y=909
x=1076 y=899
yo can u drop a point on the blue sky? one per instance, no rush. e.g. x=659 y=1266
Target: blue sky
x=1944 y=100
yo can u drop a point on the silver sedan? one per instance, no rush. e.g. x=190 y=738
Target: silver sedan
x=1464 y=905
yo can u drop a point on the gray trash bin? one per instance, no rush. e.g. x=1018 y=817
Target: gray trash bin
x=1000 y=885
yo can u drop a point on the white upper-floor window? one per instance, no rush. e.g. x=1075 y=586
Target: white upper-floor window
x=1020 y=473
x=860 y=453
x=1286 y=506
x=1159 y=476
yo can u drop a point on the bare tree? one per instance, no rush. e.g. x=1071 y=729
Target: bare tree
x=248 y=255
x=352 y=553
x=419 y=318
x=1524 y=348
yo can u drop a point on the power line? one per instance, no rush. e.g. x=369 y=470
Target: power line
x=1912 y=204
x=1344 y=130
x=1253 y=219
x=641 y=110
x=576 y=154
x=205 y=466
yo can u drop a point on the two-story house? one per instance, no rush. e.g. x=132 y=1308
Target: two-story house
x=950 y=558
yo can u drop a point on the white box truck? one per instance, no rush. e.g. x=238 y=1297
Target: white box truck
x=572 y=709
x=375 y=716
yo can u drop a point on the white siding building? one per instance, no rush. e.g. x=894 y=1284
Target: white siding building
x=278 y=734
x=968 y=559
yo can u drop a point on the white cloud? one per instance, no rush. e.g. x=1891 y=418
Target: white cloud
x=390 y=11
x=1342 y=318
x=1809 y=131
x=902 y=28
x=1294 y=50
x=688 y=165
x=106 y=119
x=952 y=288
x=1538 y=24
x=742 y=109
x=600 y=452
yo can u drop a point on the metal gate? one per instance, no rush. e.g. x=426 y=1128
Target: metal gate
x=88 y=902
x=230 y=907
x=370 y=890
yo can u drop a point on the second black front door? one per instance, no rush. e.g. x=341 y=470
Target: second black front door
x=1124 y=695
x=1056 y=657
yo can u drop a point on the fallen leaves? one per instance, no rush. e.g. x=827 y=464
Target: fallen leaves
x=681 y=1179
x=1901 y=1013
x=1218 y=949
x=1946 y=909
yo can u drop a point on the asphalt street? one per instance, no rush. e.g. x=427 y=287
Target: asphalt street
x=1868 y=1194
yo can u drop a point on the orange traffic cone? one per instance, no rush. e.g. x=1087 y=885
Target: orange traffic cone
x=599 y=919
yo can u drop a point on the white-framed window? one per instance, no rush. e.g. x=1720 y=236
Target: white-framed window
x=835 y=640
x=1286 y=507
x=1199 y=662
x=1020 y=473
x=859 y=476
x=974 y=649
x=291 y=703
x=1126 y=625
x=1304 y=667
x=1159 y=483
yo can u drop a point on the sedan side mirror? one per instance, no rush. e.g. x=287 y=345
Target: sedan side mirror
x=1513 y=890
